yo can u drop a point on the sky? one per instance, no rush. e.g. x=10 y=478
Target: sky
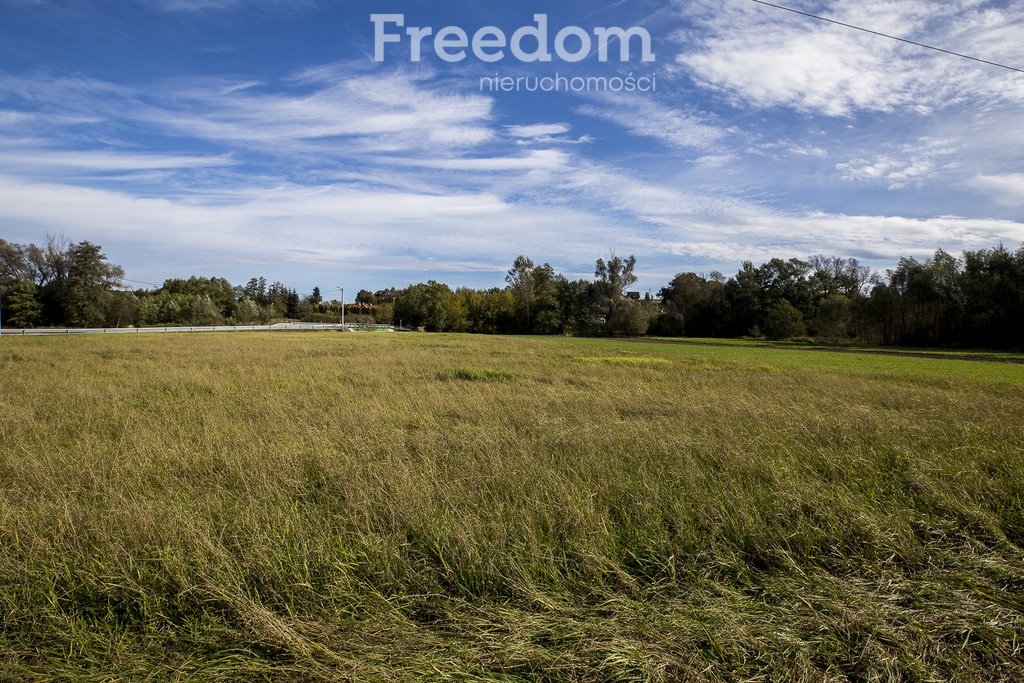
x=242 y=138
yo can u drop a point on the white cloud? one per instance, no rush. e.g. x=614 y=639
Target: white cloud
x=373 y=226
x=540 y=160
x=807 y=151
x=604 y=185
x=910 y=165
x=1006 y=189
x=392 y=110
x=788 y=147
x=8 y=118
x=312 y=226
x=648 y=118
x=339 y=112
x=874 y=238
x=724 y=229
x=43 y=160
x=540 y=130
x=768 y=58
x=391 y=169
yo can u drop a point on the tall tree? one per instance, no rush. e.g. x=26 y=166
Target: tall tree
x=14 y=263
x=544 y=306
x=90 y=282
x=432 y=305
x=23 y=309
x=613 y=279
x=694 y=305
x=520 y=277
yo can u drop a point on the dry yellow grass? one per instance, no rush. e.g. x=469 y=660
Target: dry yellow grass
x=377 y=507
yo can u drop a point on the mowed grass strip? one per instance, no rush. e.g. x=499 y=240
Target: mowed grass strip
x=325 y=507
x=621 y=360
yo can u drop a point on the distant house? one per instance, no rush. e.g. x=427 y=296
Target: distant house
x=386 y=295
x=635 y=296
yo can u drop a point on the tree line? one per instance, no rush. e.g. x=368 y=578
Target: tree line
x=975 y=299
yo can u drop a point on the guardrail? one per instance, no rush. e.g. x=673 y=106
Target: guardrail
x=279 y=327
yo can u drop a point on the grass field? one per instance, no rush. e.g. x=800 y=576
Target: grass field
x=325 y=506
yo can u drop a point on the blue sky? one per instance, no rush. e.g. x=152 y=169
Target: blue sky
x=243 y=137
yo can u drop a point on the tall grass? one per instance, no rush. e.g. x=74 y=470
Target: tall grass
x=326 y=506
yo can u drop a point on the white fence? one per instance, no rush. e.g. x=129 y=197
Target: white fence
x=280 y=327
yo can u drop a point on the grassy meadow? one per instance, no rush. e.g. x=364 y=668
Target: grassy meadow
x=325 y=506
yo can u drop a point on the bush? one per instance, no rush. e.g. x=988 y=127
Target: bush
x=833 y=317
x=667 y=325
x=784 y=321
x=630 y=319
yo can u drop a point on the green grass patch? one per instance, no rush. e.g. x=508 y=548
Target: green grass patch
x=476 y=375
x=951 y=368
x=622 y=360
x=841 y=346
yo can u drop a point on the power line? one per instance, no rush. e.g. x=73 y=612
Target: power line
x=886 y=35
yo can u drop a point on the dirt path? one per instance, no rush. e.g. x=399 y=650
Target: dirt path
x=983 y=357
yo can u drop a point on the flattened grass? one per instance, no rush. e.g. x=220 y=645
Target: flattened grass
x=324 y=507
x=476 y=374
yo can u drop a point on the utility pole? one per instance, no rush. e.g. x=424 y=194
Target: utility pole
x=342 y=307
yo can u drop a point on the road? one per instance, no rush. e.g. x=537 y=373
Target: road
x=280 y=327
